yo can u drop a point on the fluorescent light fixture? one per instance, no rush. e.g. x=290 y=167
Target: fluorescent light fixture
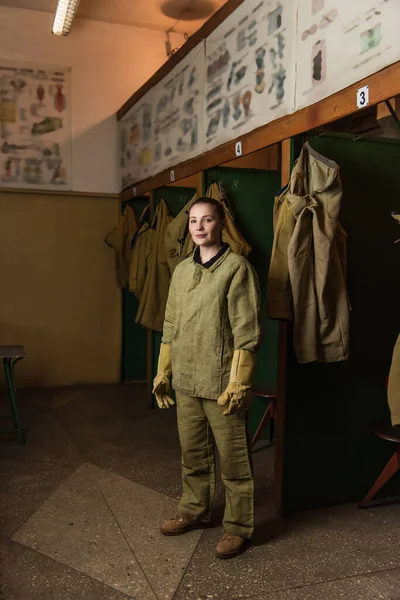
x=65 y=13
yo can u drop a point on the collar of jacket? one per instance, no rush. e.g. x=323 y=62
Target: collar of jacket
x=216 y=264
x=312 y=174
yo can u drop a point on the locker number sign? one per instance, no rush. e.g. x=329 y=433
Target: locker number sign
x=172 y=175
x=363 y=96
x=238 y=148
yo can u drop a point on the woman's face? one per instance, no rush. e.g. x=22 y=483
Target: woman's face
x=205 y=225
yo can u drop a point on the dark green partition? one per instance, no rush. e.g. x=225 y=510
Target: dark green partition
x=175 y=197
x=134 y=338
x=330 y=456
x=251 y=194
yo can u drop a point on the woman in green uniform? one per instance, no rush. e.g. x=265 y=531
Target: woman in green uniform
x=210 y=338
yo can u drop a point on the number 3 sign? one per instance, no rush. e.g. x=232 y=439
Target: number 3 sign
x=363 y=96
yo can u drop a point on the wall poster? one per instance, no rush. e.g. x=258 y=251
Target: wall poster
x=250 y=62
x=35 y=127
x=267 y=59
x=136 y=141
x=165 y=127
x=178 y=132
x=339 y=42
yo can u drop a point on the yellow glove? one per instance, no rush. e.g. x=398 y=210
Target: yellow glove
x=161 y=384
x=238 y=394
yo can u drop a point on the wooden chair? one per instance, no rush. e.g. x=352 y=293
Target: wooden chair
x=11 y=355
x=269 y=414
x=390 y=434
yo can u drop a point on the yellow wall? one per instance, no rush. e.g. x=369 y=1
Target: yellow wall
x=58 y=293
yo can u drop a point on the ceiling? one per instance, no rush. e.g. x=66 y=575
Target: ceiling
x=186 y=16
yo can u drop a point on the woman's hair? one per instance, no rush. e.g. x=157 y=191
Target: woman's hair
x=218 y=206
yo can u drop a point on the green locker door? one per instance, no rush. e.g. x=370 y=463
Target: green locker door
x=251 y=194
x=175 y=197
x=134 y=337
x=330 y=455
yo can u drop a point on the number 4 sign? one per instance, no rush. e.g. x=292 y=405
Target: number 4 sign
x=363 y=97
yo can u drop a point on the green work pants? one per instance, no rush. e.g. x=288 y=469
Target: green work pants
x=200 y=423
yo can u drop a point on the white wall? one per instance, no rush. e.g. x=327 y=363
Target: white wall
x=109 y=62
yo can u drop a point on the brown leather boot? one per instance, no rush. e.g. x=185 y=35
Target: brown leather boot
x=230 y=545
x=179 y=525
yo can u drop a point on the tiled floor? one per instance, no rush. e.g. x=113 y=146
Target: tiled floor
x=83 y=500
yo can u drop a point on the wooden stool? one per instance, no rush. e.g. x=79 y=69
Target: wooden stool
x=269 y=414
x=391 y=434
x=11 y=355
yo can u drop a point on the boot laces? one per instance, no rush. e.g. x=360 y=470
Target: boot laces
x=229 y=537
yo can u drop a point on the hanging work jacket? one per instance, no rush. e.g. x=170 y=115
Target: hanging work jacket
x=307 y=276
x=210 y=313
x=141 y=249
x=151 y=309
x=230 y=234
x=394 y=385
x=120 y=240
x=142 y=245
x=179 y=243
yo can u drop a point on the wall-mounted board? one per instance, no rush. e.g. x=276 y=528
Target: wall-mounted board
x=165 y=127
x=250 y=74
x=35 y=126
x=341 y=42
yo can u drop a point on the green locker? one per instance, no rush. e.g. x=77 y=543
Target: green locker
x=251 y=194
x=175 y=197
x=330 y=455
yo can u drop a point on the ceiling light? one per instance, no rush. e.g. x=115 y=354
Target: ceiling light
x=182 y=10
x=65 y=13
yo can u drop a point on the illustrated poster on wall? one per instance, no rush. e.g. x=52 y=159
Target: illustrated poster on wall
x=136 y=133
x=250 y=61
x=178 y=119
x=35 y=127
x=165 y=127
x=341 y=42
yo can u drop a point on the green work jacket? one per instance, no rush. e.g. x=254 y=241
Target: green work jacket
x=209 y=314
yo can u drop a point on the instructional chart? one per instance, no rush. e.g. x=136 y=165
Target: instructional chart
x=267 y=59
x=250 y=69
x=165 y=127
x=341 y=42
x=35 y=127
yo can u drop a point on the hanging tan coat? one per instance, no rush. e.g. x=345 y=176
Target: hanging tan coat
x=120 y=240
x=179 y=243
x=230 y=235
x=155 y=292
x=141 y=251
x=307 y=277
x=394 y=385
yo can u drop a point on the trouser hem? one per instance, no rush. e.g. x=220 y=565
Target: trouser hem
x=203 y=517
x=245 y=534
